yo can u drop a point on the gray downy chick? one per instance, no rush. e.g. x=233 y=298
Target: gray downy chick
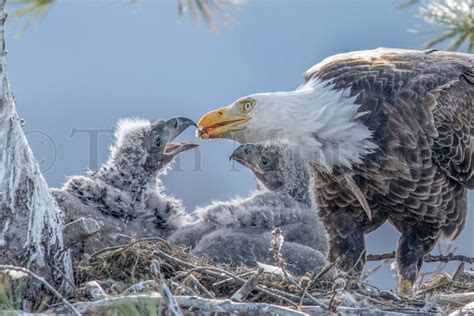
x=283 y=202
x=125 y=195
x=249 y=247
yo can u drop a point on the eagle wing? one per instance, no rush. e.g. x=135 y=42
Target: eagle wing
x=413 y=100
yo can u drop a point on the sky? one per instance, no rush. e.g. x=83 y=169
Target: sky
x=86 y=64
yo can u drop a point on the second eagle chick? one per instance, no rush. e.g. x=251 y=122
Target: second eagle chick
x=238 y=231
x=125 y=195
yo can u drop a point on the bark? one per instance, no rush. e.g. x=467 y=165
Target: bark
x=30 y=222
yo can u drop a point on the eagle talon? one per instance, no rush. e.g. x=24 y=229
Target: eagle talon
x=405 y=287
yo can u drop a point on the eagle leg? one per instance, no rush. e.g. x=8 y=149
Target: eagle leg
x=413 y=245
x=346 y=243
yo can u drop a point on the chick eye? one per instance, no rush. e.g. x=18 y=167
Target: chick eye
x=157 y=141
x=265 y=161
x=247 y=106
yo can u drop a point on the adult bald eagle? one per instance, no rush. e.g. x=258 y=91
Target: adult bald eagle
x=389 y=134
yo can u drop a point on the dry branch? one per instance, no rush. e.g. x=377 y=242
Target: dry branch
x=114 y=303
x=185 y=302
x=200 y=287
x=155 y=267
x=227 y=306
x=248 y=286
x=457 y=298
x=428 y=258
x=141 y=287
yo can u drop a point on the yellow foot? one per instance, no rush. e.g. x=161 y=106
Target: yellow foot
x=406 y=287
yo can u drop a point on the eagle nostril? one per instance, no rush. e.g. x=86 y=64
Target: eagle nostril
x=220 y=112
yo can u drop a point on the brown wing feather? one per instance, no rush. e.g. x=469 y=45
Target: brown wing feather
x=453 y=148
x=418 y=92
x=419 y=107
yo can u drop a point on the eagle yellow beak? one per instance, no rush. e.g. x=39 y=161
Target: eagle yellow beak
x=217 y=123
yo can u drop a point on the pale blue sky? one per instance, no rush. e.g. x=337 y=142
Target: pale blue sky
x=87 y=64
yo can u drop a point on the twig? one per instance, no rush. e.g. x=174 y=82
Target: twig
x=316 y=310
x=184 y=290
x=223 y=282
x=42 y=281
x=315 y=277
x=65 y=278
x=221 y=274
x=459 y=272
x=141 y=286
x=170 y=299
x=241 y=293
x=428 y=258
x=207 y=271
x=440 y=266
x=201 y=287
x=359 y=260
x=370 y=272
x=126 y=246
x=155 y=268
x=305 y=282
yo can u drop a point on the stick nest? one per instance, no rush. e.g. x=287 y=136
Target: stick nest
x=128 y=270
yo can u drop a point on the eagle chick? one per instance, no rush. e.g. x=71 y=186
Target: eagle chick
x=239 y=231
x=125 y=195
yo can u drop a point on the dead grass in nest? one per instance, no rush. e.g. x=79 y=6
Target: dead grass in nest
x=130 y=264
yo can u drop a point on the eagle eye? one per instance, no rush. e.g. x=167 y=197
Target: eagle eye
x=265 y=161
x=247 y=105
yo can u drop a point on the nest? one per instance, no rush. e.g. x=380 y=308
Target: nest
x=151 y=265
x=130 y=264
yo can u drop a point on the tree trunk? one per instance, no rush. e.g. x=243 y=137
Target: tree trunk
x=31 y=227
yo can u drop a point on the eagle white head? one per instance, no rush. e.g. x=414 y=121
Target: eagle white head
x=321 y=120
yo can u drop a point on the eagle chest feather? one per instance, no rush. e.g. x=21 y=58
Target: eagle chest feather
x=419 y=107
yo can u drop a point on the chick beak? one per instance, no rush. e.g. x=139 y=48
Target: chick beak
x=218 y=123
x=241 y=155
x=176 y=126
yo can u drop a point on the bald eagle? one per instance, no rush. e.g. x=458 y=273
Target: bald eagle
x=389 y=134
